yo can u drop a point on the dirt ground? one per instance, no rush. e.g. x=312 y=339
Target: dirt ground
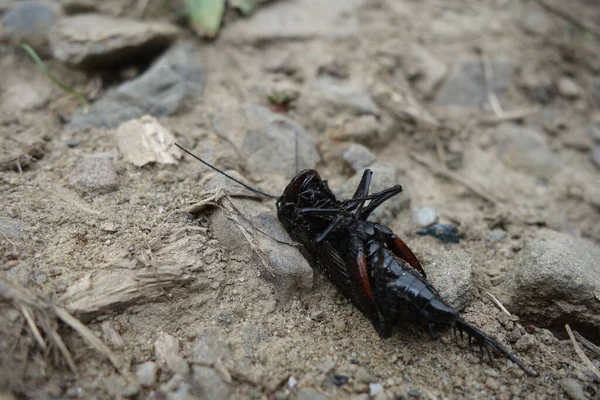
x=267 y=346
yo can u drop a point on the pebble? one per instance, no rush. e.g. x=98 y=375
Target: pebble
x=265 y=140
x=346 y=95
x=143 y=141
x=146 y=373
x=414 y=393
x=447 y=233
x=568 y=88
x=95 y=173
x=358 y=157
x=11 y=227
x=573 y=388
x=81 y=40
x=497 y=234
x=339 y=379
x=451 y=273
x=524 y=343
x=29 y=22
x=424 y=216
x=339 y=324
x=159 y=91
x=210 y=384
x=364 y=376
x=375 y=388
x=166 y=348
x=131 y=390
x=466 y=85
x=554 y=280
x=72 y=143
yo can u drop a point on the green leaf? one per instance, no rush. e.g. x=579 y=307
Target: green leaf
x=32 y=53
x=245 y=6
x=206 y=16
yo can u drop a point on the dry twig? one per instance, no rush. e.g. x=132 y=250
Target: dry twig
x=442 y=171
x=497 y=302
x=587 y=344
x=581 y=354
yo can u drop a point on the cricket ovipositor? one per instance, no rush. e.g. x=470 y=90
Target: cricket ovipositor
x=366 y=261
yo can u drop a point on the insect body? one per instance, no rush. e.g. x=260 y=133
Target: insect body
x=366 y=261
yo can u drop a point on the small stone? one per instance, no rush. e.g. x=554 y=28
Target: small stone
x=96 y=173
x=447 y=233
x=414 y=393
x=424 y=216
x=535 y=21
x=497 y=234
x=160 y=90
x=265 y=140
x=573 y=388
x=145 y=140
x=166 y=348
x=146 y=373
x=365 y=129
x=375 y=388
x=310 y=394
x=339 y=324
x=95 y=41
x=346 y=95
x=525 y=343
x=364 y=376
x=492 y=383
x=72 y=142
x=554 y=281
x=451 y=273
x=131 y=389
x=292 y=382
x=11 y=227
x=358 y=157
x=568 y=88
x=29 y=22
x=210 y=384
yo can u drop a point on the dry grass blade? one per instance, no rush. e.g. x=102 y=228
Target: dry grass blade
x=587 y=344
x=586 y=361
x=26 y=311
x=89 y=336
x=497 y=302
x=62 y=347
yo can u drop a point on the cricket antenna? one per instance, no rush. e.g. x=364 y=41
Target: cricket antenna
x=227 y=175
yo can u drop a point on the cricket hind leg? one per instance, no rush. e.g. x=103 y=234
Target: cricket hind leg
x=399 y=248
x=484 y=340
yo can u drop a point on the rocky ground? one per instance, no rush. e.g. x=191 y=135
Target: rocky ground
x=485 y=111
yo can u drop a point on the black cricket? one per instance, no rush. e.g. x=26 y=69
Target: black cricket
x=366 y=261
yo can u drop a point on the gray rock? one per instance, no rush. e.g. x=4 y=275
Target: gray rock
x=594 y=133
x=289 y=271
x=424 y=216
x=425 y=70
x=596 y=155
x=384 y=176
x=178 y=388
x=304 y=19
x=345 y=95
x=166 y=349
x=364 y=129
x=146 y=373
x=96 y=173
x=266 y=140
x=375 y=389
x=29 y=22
x=556 y=281
x=466 y=85
x=97 y=41
x=358 y=157
x=159 y=91
x=568 y=88
x=535 y=21
x=11 y=227
x=210 y=384
x=310 y=394
x=364 y=376
x=450 y=272
x=497 y=234
x=573 y=389
x=526 y=150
